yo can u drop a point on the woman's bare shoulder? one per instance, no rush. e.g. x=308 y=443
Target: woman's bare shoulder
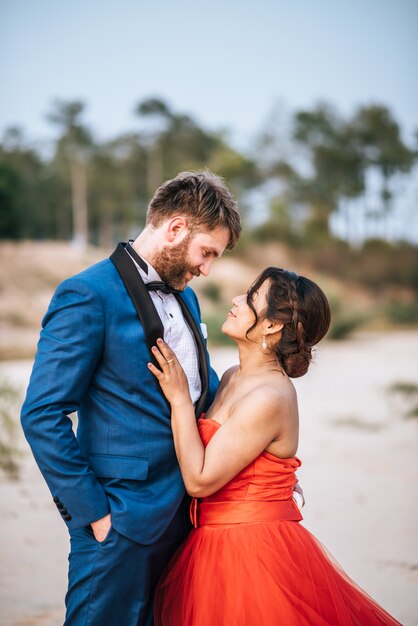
x=227 y=375
x=267 y=401
x=272 y=388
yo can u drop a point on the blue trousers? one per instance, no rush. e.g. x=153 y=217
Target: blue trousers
x=112 y=583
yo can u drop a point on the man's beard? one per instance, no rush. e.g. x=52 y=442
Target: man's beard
x=172 y=264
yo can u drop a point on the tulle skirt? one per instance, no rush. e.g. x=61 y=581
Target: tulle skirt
x=260 y=574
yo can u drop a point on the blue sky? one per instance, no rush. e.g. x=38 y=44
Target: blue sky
x=224 y=62
x=227 y=63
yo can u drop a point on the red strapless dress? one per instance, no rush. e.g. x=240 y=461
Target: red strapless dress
x=248 y=562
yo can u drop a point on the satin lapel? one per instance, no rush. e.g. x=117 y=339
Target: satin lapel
x=147 y=313
x=144 y=306
x=201 y=349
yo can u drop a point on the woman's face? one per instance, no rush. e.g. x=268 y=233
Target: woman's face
x=241 y=317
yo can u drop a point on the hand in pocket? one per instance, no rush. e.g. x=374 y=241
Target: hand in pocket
x=101 y=528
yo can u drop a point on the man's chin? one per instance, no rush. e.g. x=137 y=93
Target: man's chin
x=184 y=284
x=180 y=284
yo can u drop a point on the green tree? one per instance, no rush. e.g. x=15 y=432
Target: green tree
x=377 y=136
x=338 y=172
x=337 y=157
x=175 y=142
x=10 y=187
x=158 y=116
x=116 y=189
x=31 y=193
x=72 y=152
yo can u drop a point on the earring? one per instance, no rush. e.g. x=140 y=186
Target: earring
x=263 y=342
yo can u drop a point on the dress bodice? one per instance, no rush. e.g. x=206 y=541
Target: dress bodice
x=266 y=478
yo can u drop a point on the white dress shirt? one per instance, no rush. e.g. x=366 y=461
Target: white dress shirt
x=176 y=330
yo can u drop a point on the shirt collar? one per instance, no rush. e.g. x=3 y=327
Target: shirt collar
x=149 y=276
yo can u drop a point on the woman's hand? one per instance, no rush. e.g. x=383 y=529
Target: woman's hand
x=171 y=376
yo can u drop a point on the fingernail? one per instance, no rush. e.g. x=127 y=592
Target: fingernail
x=159 y=341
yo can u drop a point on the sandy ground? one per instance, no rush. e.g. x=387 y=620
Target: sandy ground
x=359 y=474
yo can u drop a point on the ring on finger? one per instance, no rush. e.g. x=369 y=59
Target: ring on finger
x=169 y=361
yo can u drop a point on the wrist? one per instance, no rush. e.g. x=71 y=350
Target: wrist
x=182 y=403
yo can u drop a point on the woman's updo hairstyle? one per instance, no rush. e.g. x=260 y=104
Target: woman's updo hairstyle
x=303 y=309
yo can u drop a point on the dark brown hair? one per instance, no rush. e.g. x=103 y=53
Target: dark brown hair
x=304 y=310
x=204 y=197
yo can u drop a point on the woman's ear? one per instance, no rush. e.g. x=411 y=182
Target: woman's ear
x=273 y=328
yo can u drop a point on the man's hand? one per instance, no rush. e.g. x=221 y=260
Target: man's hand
x=101 y=527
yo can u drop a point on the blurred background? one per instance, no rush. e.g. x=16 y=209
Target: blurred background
x=310 y=112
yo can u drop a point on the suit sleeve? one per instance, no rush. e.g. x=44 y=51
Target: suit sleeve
x=69 y=349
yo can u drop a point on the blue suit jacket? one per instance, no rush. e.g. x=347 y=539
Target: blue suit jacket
x=92 y=358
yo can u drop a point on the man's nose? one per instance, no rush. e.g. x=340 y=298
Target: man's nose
x=204 y=267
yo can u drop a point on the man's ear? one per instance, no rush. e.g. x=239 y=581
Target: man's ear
x=176 y=229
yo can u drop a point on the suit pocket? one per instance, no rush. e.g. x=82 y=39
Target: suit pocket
x=113 y=466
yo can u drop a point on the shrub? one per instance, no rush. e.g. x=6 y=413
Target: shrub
x=343 y=321
x=215 y=335
x=9 y=406
x=405 y=313
x=408 y=392
x=342 y=327
x=212 y=291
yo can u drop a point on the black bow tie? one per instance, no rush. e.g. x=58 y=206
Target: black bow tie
x=159 y=285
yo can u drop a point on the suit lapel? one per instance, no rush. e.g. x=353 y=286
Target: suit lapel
x=201 y=350
x=144 y=306
x=148 y=315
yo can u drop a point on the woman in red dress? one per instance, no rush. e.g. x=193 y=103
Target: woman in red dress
x=248 y=561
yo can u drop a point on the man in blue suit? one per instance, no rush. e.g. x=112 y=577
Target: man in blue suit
x=117 y=483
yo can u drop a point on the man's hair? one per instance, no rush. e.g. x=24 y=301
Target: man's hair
x=201 y=196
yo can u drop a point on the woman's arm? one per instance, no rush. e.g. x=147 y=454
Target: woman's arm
x=250 y=429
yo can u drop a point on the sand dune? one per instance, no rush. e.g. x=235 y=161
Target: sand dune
x=359 y=474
